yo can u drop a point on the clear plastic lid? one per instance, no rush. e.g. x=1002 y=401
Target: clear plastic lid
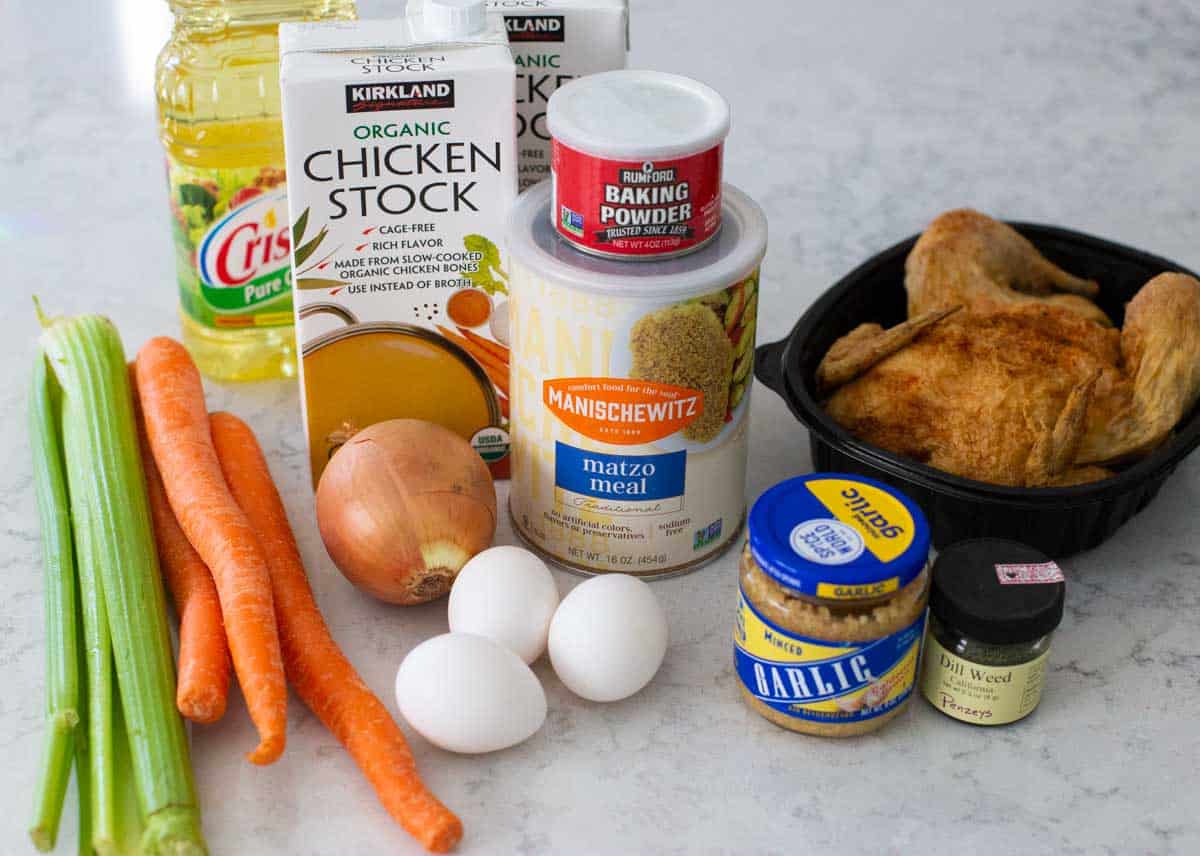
x=736 y=251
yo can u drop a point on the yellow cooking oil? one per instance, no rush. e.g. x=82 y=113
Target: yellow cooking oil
x=219 y=122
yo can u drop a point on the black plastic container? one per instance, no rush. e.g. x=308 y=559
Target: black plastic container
x=1059 y=521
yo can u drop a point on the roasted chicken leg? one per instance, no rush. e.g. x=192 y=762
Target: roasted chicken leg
x=967 y=258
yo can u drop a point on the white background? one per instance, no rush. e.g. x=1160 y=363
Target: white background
x=854 y=124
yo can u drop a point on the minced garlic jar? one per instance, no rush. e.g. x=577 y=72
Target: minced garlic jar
x=834 y=582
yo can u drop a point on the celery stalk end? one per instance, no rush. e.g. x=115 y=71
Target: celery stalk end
x=174 y=832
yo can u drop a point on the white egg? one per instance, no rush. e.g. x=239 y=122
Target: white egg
x=608 y=637
x=465 y=693
x=508 y=595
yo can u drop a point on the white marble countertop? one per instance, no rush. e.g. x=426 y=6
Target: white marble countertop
x=854 y=124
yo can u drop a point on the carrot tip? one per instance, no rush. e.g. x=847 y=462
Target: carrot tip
x=202 y=711
x=444 y=838
x=267 y=751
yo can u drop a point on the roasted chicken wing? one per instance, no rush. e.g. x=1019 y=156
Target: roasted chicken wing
x=995 y=378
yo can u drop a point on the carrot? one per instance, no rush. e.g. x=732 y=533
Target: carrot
x=494 y=367
x=172 y=399
x=495 y=348
x=481 y=355
x=498 y=377
x=203 y=682
x=316 y=668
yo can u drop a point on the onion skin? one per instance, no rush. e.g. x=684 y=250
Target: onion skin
x=402 y=506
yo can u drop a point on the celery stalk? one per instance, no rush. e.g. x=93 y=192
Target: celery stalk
x=83 y=777
x=129 y=815
x=98 y=669
x=86 y=355
x=83 y=791
x=52 y=787
x=62 y=640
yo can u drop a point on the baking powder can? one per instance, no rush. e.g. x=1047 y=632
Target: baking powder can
x=636 y=163
x=630 y=393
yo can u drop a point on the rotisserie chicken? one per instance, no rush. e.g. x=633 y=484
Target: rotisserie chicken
x=999 y=376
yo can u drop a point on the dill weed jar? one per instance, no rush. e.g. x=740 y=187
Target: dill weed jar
x=993 y=607
x=831 y=604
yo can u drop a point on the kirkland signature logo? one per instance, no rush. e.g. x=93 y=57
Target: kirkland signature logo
x=535 y=28
x=414 y=95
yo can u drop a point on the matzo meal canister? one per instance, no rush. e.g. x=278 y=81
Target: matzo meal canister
x=834 y=581
x=630 y=390
x=636 y=163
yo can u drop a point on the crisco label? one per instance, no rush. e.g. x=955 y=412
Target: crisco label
x=244 y=258
x=820 y=681
x=233 y=245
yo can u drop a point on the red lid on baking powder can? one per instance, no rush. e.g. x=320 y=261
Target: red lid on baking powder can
x=636 y=163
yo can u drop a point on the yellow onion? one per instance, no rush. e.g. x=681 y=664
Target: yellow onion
x=402 y=506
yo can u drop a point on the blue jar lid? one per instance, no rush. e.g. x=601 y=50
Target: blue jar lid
x=838 y=537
